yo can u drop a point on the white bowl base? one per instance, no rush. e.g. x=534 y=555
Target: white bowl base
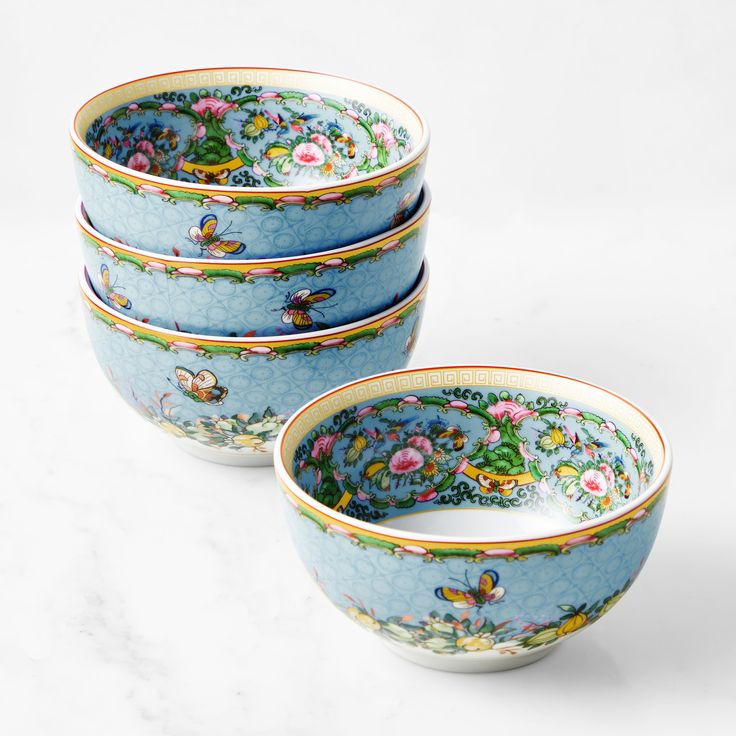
x=470 y=662
x=225 y=457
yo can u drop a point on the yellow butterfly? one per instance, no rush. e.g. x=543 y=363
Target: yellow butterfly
x=118 y=301
x=209 y=240
x=487 y=591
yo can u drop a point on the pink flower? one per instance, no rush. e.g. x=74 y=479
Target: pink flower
x=292 y=199
x=584 y=539
x=460 y=467
x=232 y=144
x=390 y=322
x=269 y=96
x=524 y=452
x=213 y=105
x=331 y=263
x=155 y=266
x=331 y=197
x=384 y=134
x=373 y=152
x=569 y=412
x=499 y=553
x=200 y=131
x=607 y=470
x=610 y=426
x=338 y=476
x=455 y=404
x=594 y=482
x=634 y=454
x=124 y=329
x=108 y=121
x=493 y=436
x=179 y=163
x=139 y=162
x=182 y=345
x=308 y=154
x=263 y=272
x=185 y=271
x=406 y=460
x=389 y=182
x=351 y=174
x=513 y=410
x=428 y=495
x=219 y=199
x=153 y=189
x=313 y=97
x=145 y=147
x=323 y=445
x=413 y=549
x=322 y=141
x=422 y=444
x=332 y=342
x=95 y=169
x=339 y=530
x=351 y=114
x=318 y=478
x=168 y=106
x=133 y=106
x=409 y=400
x=107 y=251
x=257 y=350
x=366 y=411
x=391 y=245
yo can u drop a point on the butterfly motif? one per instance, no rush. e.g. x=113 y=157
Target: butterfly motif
x=298 y=304
x=488 y=591
x=116 y=300
x=208 y=239
x=202 y=388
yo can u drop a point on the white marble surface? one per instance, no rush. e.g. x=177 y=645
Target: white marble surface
x=145 y=592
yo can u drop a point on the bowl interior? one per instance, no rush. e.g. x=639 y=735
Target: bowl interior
x=548 y=456
x=251 y=135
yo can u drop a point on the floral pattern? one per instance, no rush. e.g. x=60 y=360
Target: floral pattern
x=250 y=433
x=535 y=453
x=451 y=634
x=248 y=136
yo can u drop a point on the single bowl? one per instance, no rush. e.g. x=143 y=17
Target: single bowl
x=254 y=298
x=227 y=398
x=247 y=162
x=545 y=495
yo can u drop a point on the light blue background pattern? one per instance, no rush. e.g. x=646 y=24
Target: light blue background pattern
x=142 y=371
x=226 y=307
x=397 y=585
x=148 y=222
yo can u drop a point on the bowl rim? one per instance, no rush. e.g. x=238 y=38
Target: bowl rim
x=658 y=483
x=417 y=219
x=158 y=181
x=416 y=294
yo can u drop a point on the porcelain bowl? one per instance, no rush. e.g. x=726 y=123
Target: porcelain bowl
x=256 y=298
x=247 y=162
x=473 y=516
x=225 y=399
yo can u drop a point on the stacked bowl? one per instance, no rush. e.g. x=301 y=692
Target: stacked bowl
x=251 y=238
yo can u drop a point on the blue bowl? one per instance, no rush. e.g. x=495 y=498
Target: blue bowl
x=545 y=495
x=255 y=298
x=226 y=399
x=246 y=162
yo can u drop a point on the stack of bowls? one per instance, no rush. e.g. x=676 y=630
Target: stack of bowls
x=251 y=238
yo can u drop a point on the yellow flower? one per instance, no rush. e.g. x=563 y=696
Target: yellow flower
x=172 y=429
x=545 y=636
x=557 y=437
x=477 y=643
x=363 y=618
x=575 y=622
x=611 y=603
x=248 y=440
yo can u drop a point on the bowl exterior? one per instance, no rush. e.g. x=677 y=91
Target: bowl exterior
x=271 y=224
x=550 y=590
x=255 y=299
x=494 y=601
x=234 y=397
